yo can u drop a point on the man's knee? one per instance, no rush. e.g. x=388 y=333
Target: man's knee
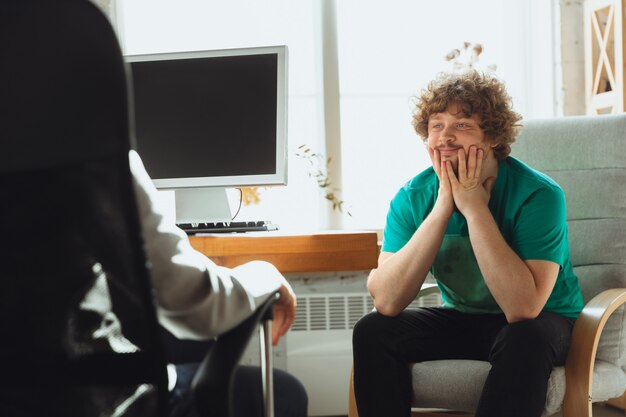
x=368 y=327
x=526 y=338
x=290 y=394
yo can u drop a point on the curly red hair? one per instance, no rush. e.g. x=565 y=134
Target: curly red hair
x=475 y=93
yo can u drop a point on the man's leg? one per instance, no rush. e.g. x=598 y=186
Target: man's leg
x=181 y=398
x=383 y=348
x=522 y=359
x=290 y=398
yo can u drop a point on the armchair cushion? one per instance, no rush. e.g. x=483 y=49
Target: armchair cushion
x=450 y=384
x=457 y=384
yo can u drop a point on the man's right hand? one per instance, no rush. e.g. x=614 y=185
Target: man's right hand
x=284 y=312
x=445 y=199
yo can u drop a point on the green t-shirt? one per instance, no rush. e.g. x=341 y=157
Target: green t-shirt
x=529 y=209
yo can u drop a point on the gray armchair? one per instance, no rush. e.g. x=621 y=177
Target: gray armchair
x=587 y=157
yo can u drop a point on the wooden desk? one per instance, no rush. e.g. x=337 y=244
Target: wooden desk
x=319 y=252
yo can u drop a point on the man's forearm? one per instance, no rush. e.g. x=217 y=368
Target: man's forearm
x=397 y=280
x=508 y=277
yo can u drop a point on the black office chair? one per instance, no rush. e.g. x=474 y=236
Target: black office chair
x=79 y=331
x=213 y=383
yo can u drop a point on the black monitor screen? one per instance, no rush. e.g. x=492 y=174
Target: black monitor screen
x=206 y=116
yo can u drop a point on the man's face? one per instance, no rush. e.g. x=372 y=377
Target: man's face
x=450 y=130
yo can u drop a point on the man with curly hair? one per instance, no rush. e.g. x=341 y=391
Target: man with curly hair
x=492 y=231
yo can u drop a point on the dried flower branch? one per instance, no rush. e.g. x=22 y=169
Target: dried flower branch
x=467 y=58
x=318 y=170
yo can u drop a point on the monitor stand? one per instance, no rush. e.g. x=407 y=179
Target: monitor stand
x=202 y=205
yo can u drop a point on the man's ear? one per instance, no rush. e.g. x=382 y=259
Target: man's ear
x=492 y=143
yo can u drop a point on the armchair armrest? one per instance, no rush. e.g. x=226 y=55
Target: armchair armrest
x=582 y=352
x=427 y=289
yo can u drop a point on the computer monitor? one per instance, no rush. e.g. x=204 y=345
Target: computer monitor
x=208 y=120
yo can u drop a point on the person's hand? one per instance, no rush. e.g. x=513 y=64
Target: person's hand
x=468 y=190
x=284 y=312
x=445 y=199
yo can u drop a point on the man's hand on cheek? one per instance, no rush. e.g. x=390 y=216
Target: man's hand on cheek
x=445 y=200
x=467 y=189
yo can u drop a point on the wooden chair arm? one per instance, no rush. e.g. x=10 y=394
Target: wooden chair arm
x=582 y=352
x=352 y=411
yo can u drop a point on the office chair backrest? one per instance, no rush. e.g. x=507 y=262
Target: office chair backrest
x=79 y=335
x=587 y=157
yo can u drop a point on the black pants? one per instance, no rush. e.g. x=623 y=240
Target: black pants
x=290 y=398
x=522 y=356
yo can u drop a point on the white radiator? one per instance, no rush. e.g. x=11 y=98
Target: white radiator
x=319 y=348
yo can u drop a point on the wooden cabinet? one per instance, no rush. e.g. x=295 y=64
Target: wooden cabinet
x=604 y=56
x=296 y=253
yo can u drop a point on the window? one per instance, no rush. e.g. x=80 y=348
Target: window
x=387 y=51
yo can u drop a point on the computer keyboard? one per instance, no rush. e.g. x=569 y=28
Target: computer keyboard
x=230 y=227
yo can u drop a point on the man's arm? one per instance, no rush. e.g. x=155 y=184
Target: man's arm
x=399 y=276
x=198 y=299
x=521 y=288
